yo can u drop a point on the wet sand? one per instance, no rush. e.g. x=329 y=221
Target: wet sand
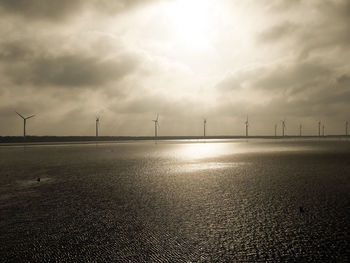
x=178 y=201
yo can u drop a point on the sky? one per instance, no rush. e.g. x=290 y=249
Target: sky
x=69 y=61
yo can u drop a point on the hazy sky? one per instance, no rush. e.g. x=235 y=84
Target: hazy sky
x=67 y=61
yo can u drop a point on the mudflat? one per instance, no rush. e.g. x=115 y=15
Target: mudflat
x=176 y=201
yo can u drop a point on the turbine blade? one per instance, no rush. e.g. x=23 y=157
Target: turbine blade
x=20 y=115
x=30 y=117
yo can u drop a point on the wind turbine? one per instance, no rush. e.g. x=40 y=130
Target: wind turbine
x=346 y=128
x=204 y=126
x=283 y=126
x=97 y=124
x=300 y=128
x=323 y=130
x=24 y=122
x=246 y=127
x=156 y=125
x=319 y=128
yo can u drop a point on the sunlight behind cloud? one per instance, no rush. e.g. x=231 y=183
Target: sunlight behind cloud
x=189 y=21
x=185 y=59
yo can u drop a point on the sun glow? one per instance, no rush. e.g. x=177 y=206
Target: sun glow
x=189 y=22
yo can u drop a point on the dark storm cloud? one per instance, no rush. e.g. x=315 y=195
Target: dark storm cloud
x=57 y=10
x=13 y=51
x=39 y=9
x=22 y=66
x=73 y=70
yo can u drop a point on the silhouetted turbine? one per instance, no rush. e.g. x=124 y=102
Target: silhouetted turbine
x=283 y=126
x=300 y=128
x=346 y=128
x=246 y=127
x=24 y=122
x=204 y=127
x=319 y=128
x=156 y=124
x=97 y=124
x=322 y=130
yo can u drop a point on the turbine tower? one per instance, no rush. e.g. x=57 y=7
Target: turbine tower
x=300 y=128
x=24 y=122
x=156 y=125
x=204 y=126
x=97 y=124
x=319 y=128
x=346 y=128
x=246 y=127
x=323 y=130
x=283 y=126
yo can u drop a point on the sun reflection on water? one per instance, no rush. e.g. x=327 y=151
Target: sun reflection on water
x=196 y=151
x=199 y=166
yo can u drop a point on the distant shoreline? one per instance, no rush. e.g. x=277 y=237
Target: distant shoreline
x=8 y=140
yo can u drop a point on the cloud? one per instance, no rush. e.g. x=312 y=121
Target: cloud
x=73 y=71
x=281 y=5
x=308 y=27
x=269 y=59
x=278 y=32
x=55 y=11
x=290 y=89
x=279 y=77
x=64 y=70
x=41 y=9
x=13 y=51
x=294 y=77
x=344 y=81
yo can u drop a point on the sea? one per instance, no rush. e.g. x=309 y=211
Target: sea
x=255 y=200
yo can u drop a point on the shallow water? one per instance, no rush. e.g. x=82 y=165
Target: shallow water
x=176 y=201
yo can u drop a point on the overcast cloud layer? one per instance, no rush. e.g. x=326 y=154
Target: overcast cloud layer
x=68 y=61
